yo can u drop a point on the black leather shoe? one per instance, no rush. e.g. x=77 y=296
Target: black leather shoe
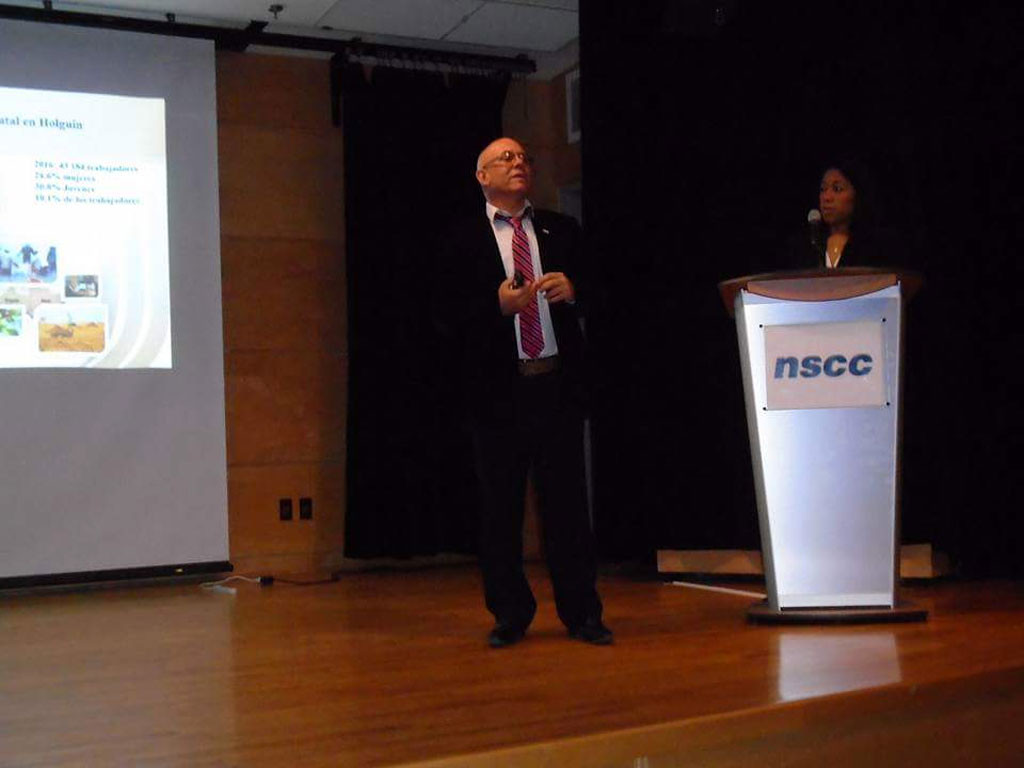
x=592 y=631
x=504 y=635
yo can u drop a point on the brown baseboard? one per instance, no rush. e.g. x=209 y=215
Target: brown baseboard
x=917 y=561
x=723 y=562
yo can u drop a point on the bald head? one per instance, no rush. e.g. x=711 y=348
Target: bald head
x=495 y=148
x=505 y=173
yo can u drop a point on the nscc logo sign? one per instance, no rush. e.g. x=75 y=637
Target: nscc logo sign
x=824 y=365
x=814 y=365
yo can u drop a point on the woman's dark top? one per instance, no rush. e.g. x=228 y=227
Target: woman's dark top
x=865 y=248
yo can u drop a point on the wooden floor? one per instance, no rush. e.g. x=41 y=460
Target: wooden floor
x=392 y=668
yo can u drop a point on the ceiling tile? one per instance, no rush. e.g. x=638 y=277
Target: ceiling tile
x=511 y=26
x=300 y=12
x=518 y=25
x=565 y=5
x=425 y=19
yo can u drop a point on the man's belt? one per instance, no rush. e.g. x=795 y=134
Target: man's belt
x=539 y=366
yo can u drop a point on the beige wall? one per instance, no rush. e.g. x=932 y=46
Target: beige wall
x=535 y=114
x=285 y=339
x=284 y=292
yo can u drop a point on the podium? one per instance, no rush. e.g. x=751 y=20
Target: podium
x=821 y=355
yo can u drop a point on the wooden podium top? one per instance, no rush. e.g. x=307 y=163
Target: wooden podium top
x=820 y=284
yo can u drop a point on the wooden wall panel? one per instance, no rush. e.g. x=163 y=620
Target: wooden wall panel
x=265 y=544
x=253 y=516
x=273 y=91
x=284 y=294
x=535 y=113
x=285 y=406
x=281 y=183
x=285 y=313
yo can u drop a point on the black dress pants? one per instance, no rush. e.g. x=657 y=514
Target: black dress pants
x=539 y=428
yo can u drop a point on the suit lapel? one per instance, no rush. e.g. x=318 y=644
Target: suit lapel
x=488 y=245
x=549 y=256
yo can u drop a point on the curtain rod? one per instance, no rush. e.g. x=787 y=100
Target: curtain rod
x=238 y=39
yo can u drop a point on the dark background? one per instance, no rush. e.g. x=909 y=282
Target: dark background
x=411 y=142
x=704 y=129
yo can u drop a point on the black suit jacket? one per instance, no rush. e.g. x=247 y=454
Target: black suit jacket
x=480 y=340
x=865 y=248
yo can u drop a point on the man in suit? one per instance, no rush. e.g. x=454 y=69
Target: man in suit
x=513 y=306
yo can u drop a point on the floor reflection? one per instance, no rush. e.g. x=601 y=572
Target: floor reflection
x=819 y=664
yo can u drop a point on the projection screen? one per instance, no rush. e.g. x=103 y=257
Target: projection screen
x=111 y=352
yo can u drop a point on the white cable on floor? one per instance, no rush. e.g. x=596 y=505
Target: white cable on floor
x=726 y=590
x=212 y=584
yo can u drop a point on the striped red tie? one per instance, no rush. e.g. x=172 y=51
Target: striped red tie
x=530 y=331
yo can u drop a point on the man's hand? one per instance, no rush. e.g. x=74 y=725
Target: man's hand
x=514 y=300
x=556 y=287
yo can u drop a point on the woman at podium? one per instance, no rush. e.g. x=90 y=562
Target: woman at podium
x=842 y=231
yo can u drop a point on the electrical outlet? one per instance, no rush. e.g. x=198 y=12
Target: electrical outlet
x=284 y=509
x=305 y=508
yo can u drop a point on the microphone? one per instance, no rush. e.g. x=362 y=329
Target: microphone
x=814 y=230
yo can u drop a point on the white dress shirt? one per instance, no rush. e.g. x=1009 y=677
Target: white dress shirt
x=503 y=234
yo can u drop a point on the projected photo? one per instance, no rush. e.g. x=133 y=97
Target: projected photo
x=76 y=328
x=28 y=263
x=11 y=320
x=29 y=296
x=82 y=286
x=83 y=194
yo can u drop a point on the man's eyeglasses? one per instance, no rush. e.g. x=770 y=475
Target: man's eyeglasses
x=508 y=157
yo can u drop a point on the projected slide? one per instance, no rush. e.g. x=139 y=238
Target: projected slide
x=83 y=231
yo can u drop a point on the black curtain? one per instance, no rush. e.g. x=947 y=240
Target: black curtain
x=704 y=128
x=411 y=141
